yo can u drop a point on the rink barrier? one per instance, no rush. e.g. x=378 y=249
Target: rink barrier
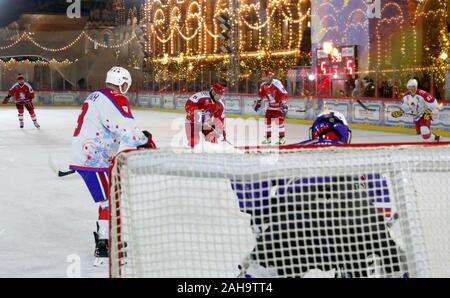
x=302 y=110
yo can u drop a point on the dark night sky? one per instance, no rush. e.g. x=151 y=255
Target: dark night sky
x=10 y=10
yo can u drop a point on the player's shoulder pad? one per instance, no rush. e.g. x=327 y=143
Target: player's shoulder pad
x=406 y=93
x=424 y=93
x=14 y=86
x=29 y=86
x=279 y=85
x=198 y=96
x=120 y=102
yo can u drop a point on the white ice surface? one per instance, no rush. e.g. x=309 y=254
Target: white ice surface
x=46 y=222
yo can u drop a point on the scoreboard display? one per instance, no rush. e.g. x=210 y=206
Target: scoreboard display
x=338 y=64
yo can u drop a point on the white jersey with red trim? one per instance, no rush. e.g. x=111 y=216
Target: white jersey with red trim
x=418 y=102
x=104 y=124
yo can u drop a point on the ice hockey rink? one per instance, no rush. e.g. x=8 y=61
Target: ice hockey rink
x=46 y=222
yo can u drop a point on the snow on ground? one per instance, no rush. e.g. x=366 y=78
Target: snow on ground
x=46 y=222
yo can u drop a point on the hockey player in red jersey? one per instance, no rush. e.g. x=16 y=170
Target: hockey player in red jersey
x=23 y=94
x=277 y=96
x=421 y=105
x=205 y=115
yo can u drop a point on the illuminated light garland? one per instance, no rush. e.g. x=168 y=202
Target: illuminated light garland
x=68 y=46
x=27 y=36
x=222 y=7
x=364 y=26
x=328 y=28
x=116 y=46
x=199 y=36
x=188 y=38
x=406 y=69
x=15 y=42
x=399 y=19
x=164 y=41
x=166 y=59
x=39 y=62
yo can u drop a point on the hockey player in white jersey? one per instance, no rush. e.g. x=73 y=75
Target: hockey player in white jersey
x=104 y=124
x=421 y=105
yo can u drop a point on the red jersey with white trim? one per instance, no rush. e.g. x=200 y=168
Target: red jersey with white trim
x=22 y=94
x=197 y=104
x=275 y=93
x=417 y=103
x=104 y=124
x=218 y=117
x=218 y=112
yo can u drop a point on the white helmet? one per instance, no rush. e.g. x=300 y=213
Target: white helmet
x=412 y=83
x=118 y=76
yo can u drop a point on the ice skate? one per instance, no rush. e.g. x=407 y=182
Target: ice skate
x=281 y=141
x=36 y=124
x=267 y=141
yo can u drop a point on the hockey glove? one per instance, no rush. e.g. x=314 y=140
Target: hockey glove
x=427 y=115
x=397 y=114
x=257 y=105
x=285 y=110
x=150 y=144
x=5 y=100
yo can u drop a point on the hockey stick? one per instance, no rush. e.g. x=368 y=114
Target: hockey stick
x=225 y=140
x=62 y=174
x=364 y=106
x=56 y=171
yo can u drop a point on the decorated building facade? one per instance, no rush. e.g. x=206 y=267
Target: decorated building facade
x=184 y=45
x=394 y=41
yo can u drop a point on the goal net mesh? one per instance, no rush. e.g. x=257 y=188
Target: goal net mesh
x=323 y=212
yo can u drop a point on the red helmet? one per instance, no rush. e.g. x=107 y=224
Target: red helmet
x=267 y=73
x=20 y=77
x=218 y=88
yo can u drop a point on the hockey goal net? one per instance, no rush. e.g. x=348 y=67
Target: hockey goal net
x=358 y=211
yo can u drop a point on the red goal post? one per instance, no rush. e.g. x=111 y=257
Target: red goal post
x=369 y=210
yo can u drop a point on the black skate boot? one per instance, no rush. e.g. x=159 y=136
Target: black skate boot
x=101 y=252
x=437 y=138
x=21 y=124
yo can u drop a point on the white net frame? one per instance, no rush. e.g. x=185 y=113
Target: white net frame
x=350 y=211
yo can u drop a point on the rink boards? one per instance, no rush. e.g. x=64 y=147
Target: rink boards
x=301 y=108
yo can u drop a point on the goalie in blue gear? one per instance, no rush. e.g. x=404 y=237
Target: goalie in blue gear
x=329 y=128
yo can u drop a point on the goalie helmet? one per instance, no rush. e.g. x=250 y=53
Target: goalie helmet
x=331 y=125
x=118 y=76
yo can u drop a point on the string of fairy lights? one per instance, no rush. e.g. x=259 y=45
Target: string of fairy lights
x=14 y=61
x=26 y=36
